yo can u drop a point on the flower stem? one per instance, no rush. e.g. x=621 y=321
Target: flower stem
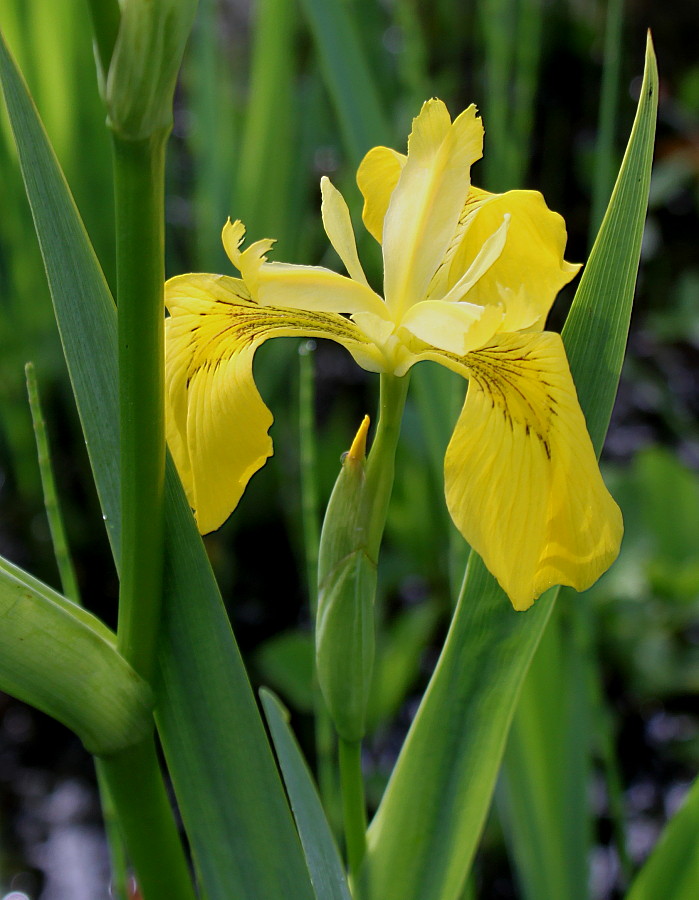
x=353 y=803
x=381 y=461
x=133 y=777
x=135 y=785
x=139 y=168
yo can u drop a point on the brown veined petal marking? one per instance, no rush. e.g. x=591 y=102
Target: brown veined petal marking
x=521 y=477
x=217 y=423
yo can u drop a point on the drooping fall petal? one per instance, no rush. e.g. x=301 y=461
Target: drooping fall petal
x=521 y=478
x=217 y=423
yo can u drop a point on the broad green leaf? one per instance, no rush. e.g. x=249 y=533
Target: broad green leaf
x=426 y=830
x=672 y=870
x=347 y=76
x=225 y=778
x=57 y=657
x=322 y=856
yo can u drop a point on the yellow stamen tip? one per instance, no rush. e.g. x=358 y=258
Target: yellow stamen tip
x=357 y=451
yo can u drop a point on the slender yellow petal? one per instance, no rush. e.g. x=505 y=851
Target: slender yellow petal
x=427 y=201
x=338 y=227
x=377 y=176
x=529 y=271
x=217 y=423
x=488 y=254
x=521 y=478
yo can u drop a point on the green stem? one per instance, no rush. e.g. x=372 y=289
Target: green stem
x=353 y=803
x=380 y=465
x=139 y=168
x=134 y=782
x=134 y=777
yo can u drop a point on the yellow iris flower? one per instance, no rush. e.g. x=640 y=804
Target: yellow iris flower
x=469 y=278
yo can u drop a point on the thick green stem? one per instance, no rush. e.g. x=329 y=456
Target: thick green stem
x=134 y=783
x=139 y=168
x=133 y=777
x=380 y=465
x=353 y=804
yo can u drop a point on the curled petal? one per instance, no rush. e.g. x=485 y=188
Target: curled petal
x=299 y=287
x=521 y=478
x=217 y=423
x=529 y=271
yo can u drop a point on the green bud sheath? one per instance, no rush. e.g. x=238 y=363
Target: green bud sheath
x=144 y=66
x=346 y=590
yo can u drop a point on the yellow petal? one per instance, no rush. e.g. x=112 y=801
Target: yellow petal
x=427 y=201
x=530 y=271
x=377 y=176
x=217 y=423
x=338 y=227
x=521 y=478
x=488 y=254
x=458 y=328
x=297 y=287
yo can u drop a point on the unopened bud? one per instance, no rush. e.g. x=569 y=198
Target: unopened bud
x=144 y=66
x=346 y=590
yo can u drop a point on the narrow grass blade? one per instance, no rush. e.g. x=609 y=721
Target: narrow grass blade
x=605 y=157
x=322 y=856
x=66 y=569
x=223 y=770
x=348 y=78
x=672 y=870
x=426 y=830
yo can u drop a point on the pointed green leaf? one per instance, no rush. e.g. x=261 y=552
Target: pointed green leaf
x=225 y=778
x=426 y=830
x=672 y=870
x=322 y=856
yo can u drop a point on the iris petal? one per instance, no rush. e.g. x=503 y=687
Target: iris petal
x=427 y=201
x=377 y=176
x=521 y=478
x=217 y=423
x=529 y=271
x=338 y=227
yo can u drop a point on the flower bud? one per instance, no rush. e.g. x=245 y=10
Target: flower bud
x=346 y=590
x=144 y=66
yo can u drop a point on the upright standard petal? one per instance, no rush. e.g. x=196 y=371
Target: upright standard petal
x=521 y=478
x=427 y=201
x=217 y=423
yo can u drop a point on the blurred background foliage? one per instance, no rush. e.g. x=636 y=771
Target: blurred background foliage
x=274 y=94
